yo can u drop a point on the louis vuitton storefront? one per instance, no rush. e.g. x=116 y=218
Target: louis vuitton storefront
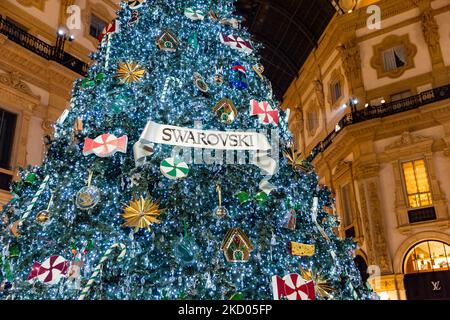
x=427 y=271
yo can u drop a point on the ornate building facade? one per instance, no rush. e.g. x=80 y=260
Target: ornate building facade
x=37 y=68
x=371 y=109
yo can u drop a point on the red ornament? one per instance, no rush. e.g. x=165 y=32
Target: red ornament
x=105 y=145
x=236 y=43
x=112 y=27
x=264 y=111
x=50 y=271
x=293 y=287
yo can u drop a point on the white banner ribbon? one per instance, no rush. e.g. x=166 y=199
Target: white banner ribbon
x=207 y=139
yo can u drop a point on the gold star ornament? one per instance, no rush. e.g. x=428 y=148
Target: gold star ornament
x=294 y=158
x=141 y=213
x=129 y=72
x=321 y=285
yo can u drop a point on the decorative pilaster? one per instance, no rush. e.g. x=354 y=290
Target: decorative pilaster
x=366 y=224
x=430 y=30
x=351 y=62
x=369 y=189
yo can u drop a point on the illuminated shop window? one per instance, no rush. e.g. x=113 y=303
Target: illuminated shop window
x=417 y=184
x=428 y=256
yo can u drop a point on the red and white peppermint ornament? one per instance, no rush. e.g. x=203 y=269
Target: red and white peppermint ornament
x=236 y=43
x=264 y=111
x=297 y=288
x=293 y=287
x=105 y=145
x=50 y=271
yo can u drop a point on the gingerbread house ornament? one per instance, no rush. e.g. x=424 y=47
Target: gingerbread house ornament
x=167 y=41
x=225 y=111
x=236 y=246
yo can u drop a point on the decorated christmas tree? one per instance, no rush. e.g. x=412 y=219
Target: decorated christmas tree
x=173 y=176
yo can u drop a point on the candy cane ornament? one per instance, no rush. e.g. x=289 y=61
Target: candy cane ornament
x=35 y=198
x=106 y=256
x=166 y=87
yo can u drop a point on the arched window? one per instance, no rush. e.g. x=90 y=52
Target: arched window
x=427 y=256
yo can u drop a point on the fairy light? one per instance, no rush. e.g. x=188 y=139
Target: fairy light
x=150 y=270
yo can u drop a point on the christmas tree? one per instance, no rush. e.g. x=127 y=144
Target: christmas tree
x=160 y=181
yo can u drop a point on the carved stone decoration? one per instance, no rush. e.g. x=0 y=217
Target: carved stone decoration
x=318 y=89
x=40 y=4
x=47 y=126
x=406 y=140
x=13 y=79
x=296 y=121
x=430 y=31
x=391 y=41
x=351 y=60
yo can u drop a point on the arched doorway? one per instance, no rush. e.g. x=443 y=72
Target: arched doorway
x=361 y=264
x=427 y=271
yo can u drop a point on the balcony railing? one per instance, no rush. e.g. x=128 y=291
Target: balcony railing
x=384 y=110
x=41 y=48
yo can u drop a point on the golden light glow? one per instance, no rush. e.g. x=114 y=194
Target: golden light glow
x=428 y=256
x=141 y=213
x=417 y=184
